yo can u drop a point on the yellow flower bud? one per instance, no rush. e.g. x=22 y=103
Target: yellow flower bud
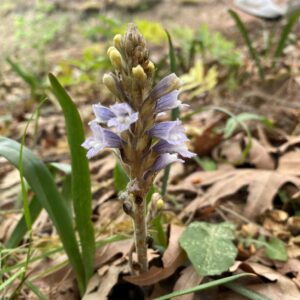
x=160 y=204
x=139 y=73
x=109 y=50
x=115 y=58
x=110 y=83
x=151 y=66
x=117 y=40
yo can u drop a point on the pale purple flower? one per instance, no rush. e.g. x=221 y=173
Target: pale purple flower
x=124 y=116
x=165 y=86
x=102 y=113
x=119 y=115
x=168 y=102
x=102 y=138
x=170 y=131
x=165 y=147
x=163 y=160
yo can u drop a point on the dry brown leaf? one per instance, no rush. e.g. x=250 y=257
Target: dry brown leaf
x=188 y=278
x=99 y=287
x=229 y=150
x=262 y=185
x=292 y=267
x=107 y=252
x=289 y=163
x=204 y=136
x=173 y=257
x=7 y=227
x=281 y=288
x=232 y=151
x=260 y=156
x=291 y=142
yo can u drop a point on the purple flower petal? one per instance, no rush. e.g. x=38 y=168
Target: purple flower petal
x=163 y=160
x=102 y=113
x=165 y=86
x=124 y=117
x=170 y=131
x=102 y=138
x=164 y=147
x=168 y=102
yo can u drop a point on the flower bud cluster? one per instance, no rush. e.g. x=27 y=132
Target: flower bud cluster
x=130 y=126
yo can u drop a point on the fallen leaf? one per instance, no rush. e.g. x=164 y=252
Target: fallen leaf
x=262 y=185
x=232 y=151
x=281 y=286
x=259 y=156
x=205 y=138
x=172 y=258
x=188 y=279
x=275 y=286
x=289 y=163
x=291 y=142
x=99 y=287
x=110 y=250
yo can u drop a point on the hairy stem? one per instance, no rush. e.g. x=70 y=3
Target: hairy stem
x=140 y=233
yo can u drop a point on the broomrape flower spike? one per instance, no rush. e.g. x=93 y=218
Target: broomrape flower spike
x=143 y=145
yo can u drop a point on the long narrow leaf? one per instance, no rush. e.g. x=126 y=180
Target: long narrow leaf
x=245 y=35
x=284 y=35
x=81 y=184
x=30 y=79
x=43 y=185
x=203 y=286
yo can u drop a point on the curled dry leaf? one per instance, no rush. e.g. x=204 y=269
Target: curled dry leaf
x=262 y=185
x=260 y=156
x=188 y=279
x=277 y=287
x=99 y=287
x=291 y=142
x=281 y=287
x=173 y=258
x=232 y=151
x=205 y=137
x=109 y=251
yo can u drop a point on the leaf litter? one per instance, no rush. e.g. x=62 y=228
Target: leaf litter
x=274 y=170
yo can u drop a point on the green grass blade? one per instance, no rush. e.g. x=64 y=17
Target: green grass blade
x=27 y=77
x=35 y=290
x=39 y=178
x=252 y=51
x=203 y=286
x=174 y=113
x=284 y=35
x=81 y=184
x=11 y=279
x=249 y=294
x=21 y=228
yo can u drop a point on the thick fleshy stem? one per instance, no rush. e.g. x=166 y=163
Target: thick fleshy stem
x=140 y=233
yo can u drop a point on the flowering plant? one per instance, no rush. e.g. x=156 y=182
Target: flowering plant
x=143 y=145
